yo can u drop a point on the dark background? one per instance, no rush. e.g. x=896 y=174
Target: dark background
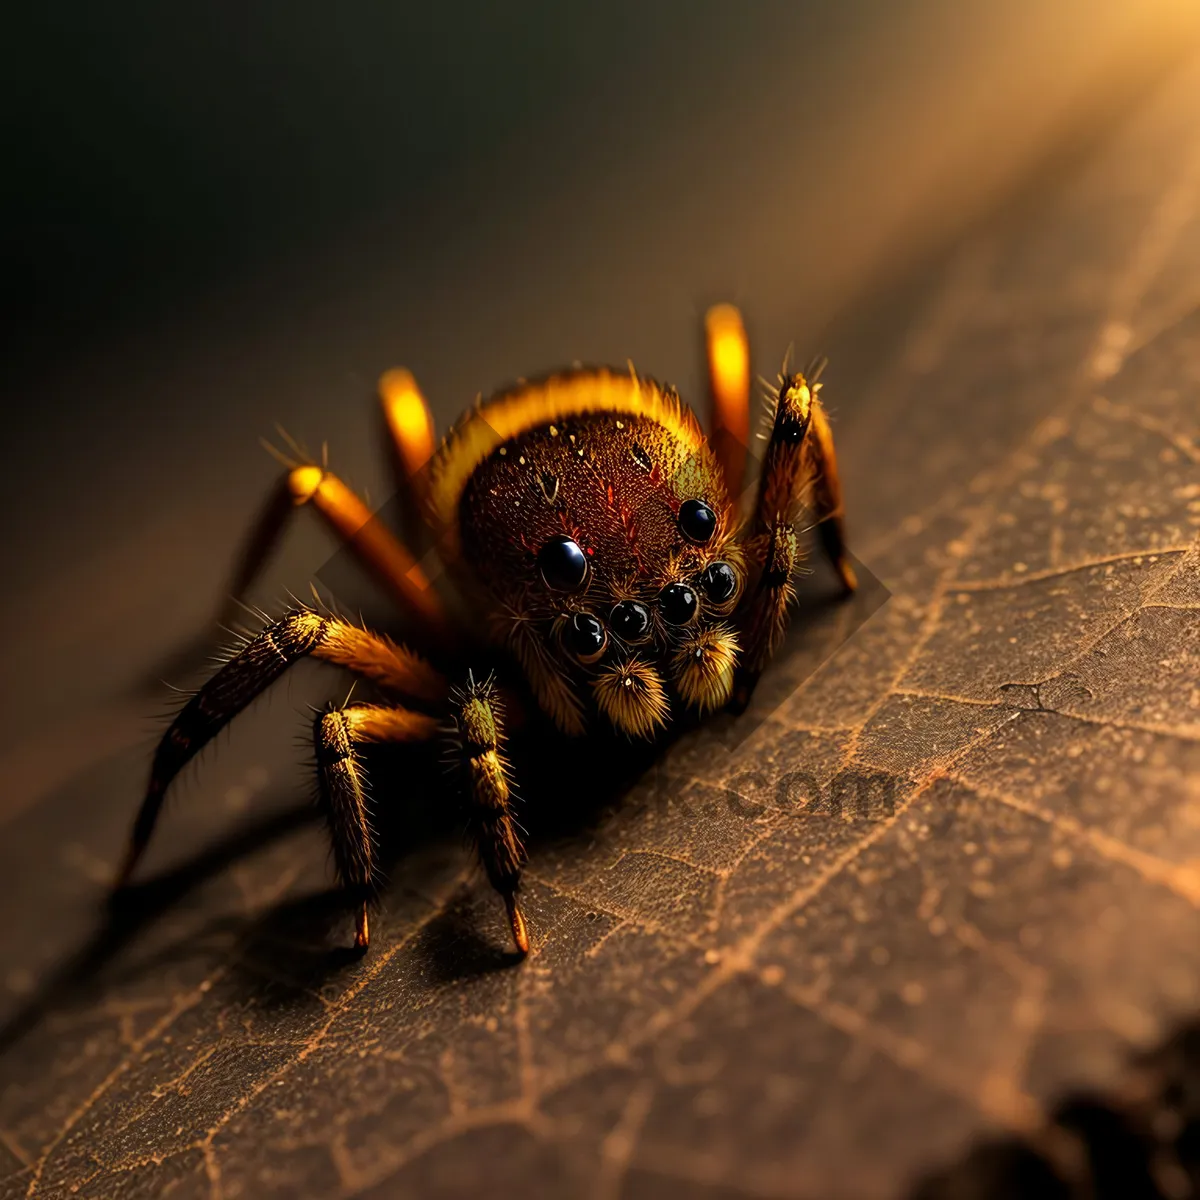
x=217 y=218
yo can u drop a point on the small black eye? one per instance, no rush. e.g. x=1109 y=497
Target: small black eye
x=696 y=520
x=677 y=603
x=630 y=620
x=562 y=564
x=719 y=582
x=586 y=636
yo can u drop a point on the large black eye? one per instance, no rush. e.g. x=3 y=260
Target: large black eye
x=586 y=636
x=719 y=582
x=562 y=564
x=696 y=520
x=630 y=620
x=677 y=603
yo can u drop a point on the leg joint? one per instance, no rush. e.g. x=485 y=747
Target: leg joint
x=332 y=738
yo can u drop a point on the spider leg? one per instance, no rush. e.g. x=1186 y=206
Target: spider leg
x=411 y=431
x=729 y=384
x=799 y=465
x=478 y=754
x=764 y=619
x=339 y=734
x=248 y=673
x=261 y=538
x=376 y=547
x=826 y=497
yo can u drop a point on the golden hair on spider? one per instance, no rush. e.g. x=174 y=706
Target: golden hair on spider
x=594 y=533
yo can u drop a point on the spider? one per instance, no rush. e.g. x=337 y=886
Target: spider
x=592 y=533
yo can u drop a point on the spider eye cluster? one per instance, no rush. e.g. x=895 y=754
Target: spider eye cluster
x=678 y=603
x=563 y=566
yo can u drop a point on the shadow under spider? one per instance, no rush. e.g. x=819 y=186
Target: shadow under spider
x=565 y=786
x=305 y=940
x=127 y=914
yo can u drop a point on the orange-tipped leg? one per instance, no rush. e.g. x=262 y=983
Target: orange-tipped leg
x=411 y=432
x=408 y=421
x=376 y=547
x=516 y=920
x=362 y=929
x=729 y=380
x=370 y=540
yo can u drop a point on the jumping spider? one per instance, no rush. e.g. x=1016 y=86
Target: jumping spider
x=594 y=531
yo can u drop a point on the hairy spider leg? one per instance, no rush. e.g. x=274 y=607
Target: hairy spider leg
x=799 y=465
x=338 y=735
x=249 y=672
x=477 y=752
x=729 y=385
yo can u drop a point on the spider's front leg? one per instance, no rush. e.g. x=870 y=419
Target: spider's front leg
x=477 y=752
x=799 y=467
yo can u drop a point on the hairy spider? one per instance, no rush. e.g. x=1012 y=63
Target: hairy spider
x=593 y=532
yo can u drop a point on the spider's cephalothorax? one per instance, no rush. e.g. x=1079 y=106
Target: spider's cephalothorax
x=596 y=535
x=600 y=535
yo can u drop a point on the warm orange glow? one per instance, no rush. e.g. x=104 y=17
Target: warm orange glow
x=408 y=419
x=729 y=379
x=369 y=538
